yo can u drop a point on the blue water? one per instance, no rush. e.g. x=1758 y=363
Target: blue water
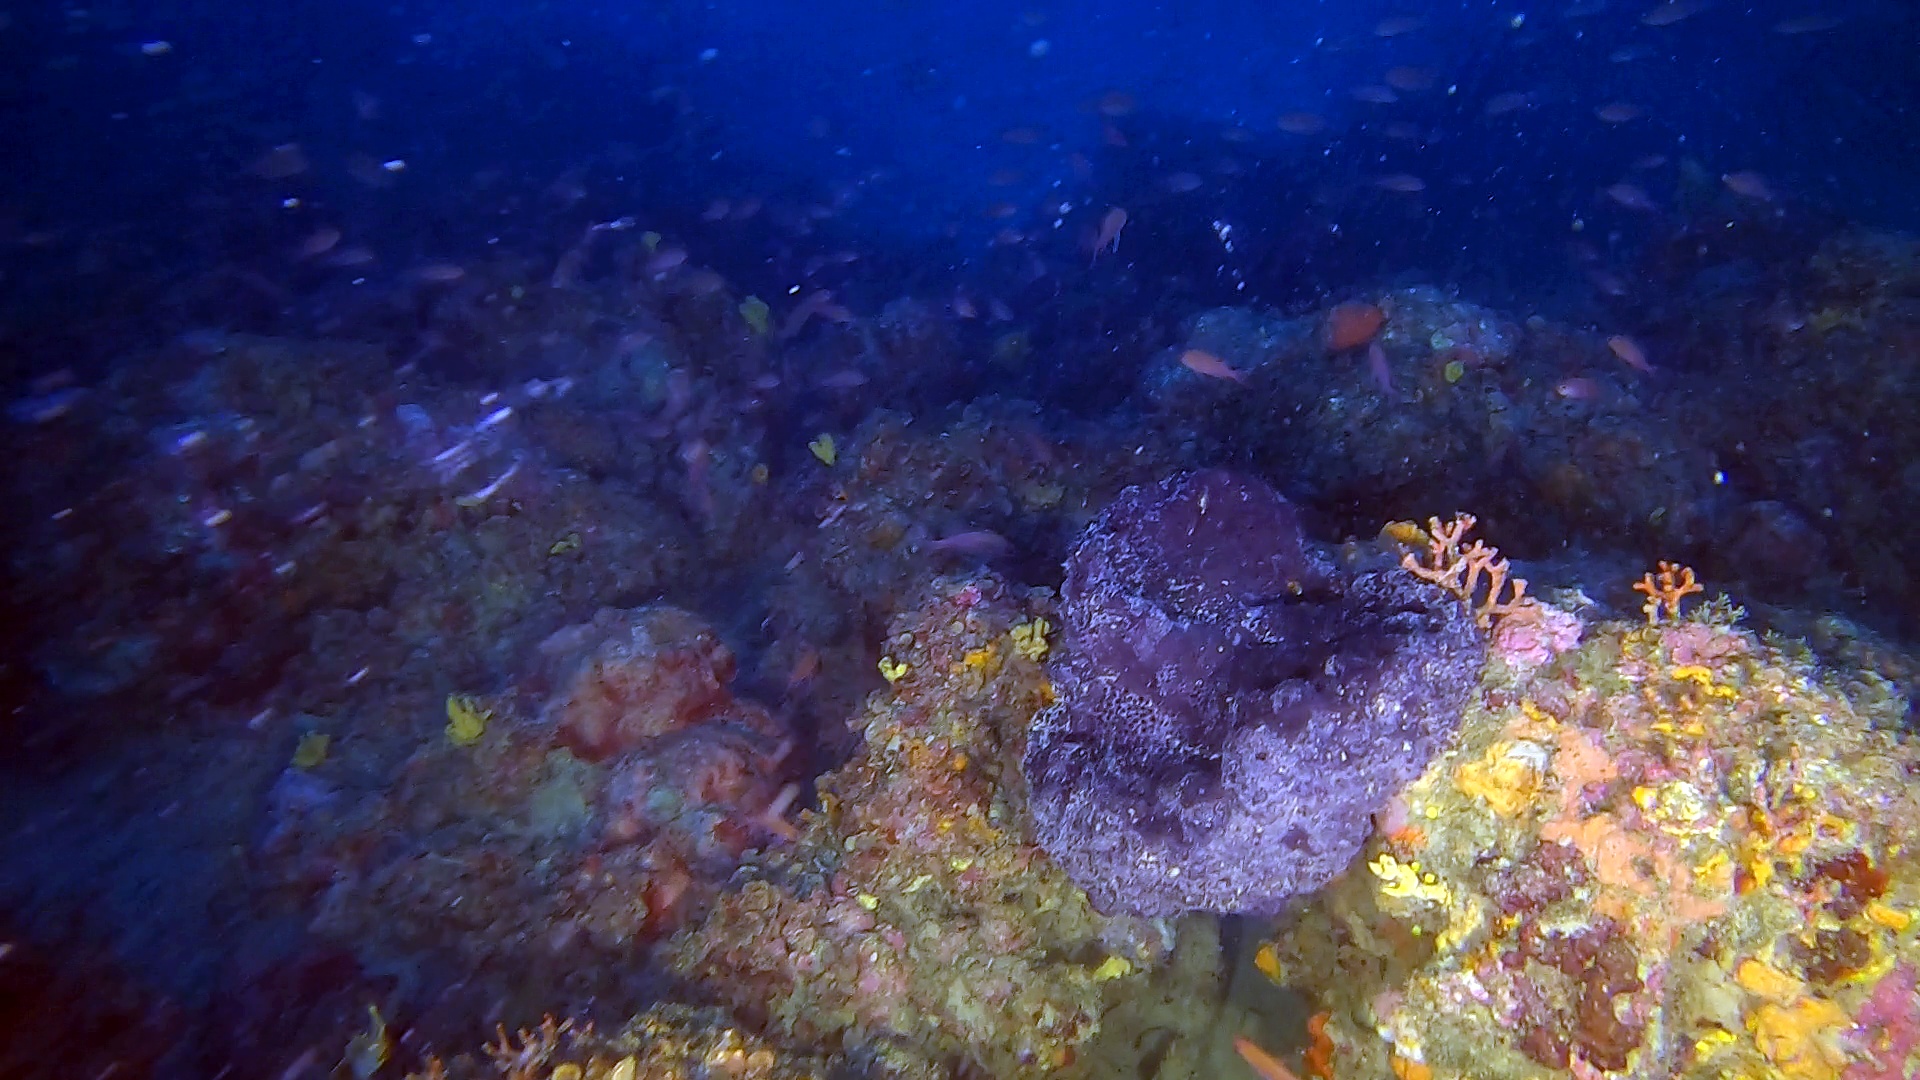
x=894 y=116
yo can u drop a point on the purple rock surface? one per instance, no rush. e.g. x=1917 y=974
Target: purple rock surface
x=1232 y=707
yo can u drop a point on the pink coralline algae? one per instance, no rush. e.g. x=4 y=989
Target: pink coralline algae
x=1888 y=1026
x=1527 y=643
x=514 y=852
x=645 y=673
x=1233 y=709
x=648 y=695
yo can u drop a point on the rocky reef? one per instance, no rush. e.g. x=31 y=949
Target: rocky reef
x=1678 y=850
x=914 y=913
x=545 y=839
x=665 y=1041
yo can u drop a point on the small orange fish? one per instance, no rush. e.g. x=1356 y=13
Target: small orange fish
x=974 y=544
x=663 y=262
x=1748 y=185
x=321 y=241
x=1264 y=1064
x=1673 y=11
x=438 y=273
x=806 y=664
x=843 y=379
x=1202 y=362
x=1109 y=235
x=818 y=303
x=1301 y=123
x=1606 y=282
x=1633 y=197
x=1411 y=79
x=1807 y=24
x=1511 y=101
x=1377 y=367
x=282 y=161
x=1577 y=388
x=1182 y=182
x=1401 y=183
x=348 y=256
x=1630 y=353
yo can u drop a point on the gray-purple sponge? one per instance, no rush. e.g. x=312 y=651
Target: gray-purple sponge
x=1232 y=708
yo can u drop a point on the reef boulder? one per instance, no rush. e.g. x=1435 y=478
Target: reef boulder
x=1232 y=708
x=631 y=677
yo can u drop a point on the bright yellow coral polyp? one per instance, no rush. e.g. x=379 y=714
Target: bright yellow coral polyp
x=1405 y=880
x=1802 y=1040
x=466 y=720
x=1767 y=981
x=1030 y=638
x=1703 y=677
x=1507 y=779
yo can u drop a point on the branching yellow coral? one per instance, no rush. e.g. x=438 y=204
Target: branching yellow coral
x=824 y=449
x=1030 y=638
x=312 y=750
x=466 y=720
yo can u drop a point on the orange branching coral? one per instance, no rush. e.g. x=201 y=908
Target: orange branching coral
x=534 y=1048
x=1320 y=1048
x=1459 y=570
x=1665 y=592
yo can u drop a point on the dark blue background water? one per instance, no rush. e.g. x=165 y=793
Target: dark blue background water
x=894 y=118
